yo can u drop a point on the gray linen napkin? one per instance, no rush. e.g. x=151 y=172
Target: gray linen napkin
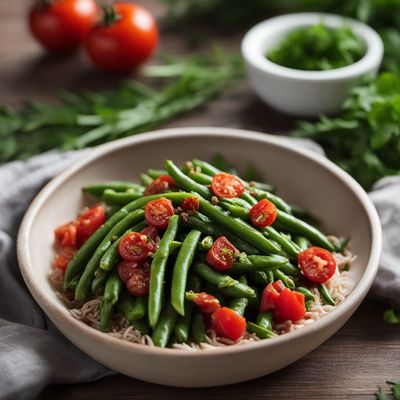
x=28 y=361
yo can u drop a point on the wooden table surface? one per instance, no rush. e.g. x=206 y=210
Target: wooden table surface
x=362 y=355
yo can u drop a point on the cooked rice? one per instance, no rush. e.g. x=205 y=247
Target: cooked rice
x=339 y=286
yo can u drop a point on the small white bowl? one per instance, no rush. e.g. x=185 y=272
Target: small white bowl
x=299 y=92
x=301 y=177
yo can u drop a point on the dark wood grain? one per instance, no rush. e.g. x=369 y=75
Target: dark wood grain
x=350 y=365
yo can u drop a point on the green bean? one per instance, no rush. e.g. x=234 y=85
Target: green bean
x=164 y=328
x=258 y=263
x=262 y=186
x=184 y=181
x=111 y=197
x=201 y=178
x=239 y=304
x=300 y=227
x=264 y=320
x=279 y=203
x=85 y=282
x=139 y=309
x=262 y=333
x=206 y=243
x=74 y=282
x=246 y=196
x=145 y=179
x=259 y=277
x=238 y=201
x=111 y=256
x=207 y=227
x=238 y=227
x=270 y=275
x=308 y=305
x=111 y=210
x=198 y=329
x=209 y=288
x=141 y=326
x=235 y=210
x=323 y=290
x=97 y=189
x=112 y=291
x=100 y=280
x=182 y=326
x=308 y=294
x=290 y=269
x=158 y=267
x=181 y=269
x=254 y=302
x=155 y=173
x=206 y=167
x=288 y=246
x=84 y=254
x=174 y=246
x=286 y=280
x=228 y=286
x=132 y=307
x=302 y=242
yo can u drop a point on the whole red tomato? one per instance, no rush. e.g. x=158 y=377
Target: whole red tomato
x=126 y=38
x=61 y=25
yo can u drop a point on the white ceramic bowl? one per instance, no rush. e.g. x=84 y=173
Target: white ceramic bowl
x=301 y=177
x=305 y=93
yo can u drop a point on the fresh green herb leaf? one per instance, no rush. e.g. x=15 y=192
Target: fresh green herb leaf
x=380 y=394
x=390 y=316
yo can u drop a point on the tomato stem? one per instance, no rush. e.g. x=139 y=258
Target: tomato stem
x=110 y=15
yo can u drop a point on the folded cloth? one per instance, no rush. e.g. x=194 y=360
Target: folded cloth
x=28 y=361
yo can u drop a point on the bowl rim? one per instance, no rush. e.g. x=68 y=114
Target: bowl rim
x=58 y=313
x=254 y=54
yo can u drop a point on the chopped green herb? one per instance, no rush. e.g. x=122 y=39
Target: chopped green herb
x=390 y=316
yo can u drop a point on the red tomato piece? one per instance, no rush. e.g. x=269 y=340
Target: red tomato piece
x=222 y=254
x=88 y=222
x=206 y=302
x=160 y=185
x=263 y=213
x=139 y=282
x=61 y=25
x=279 y=286
x=152 y=237
x=126 y=269
x=228 y=323
x=124 y=41
x=190 y=204
x=289 y=306
x=64 y=257
x=227 y=185
x=269 y=297
x=317 y=264
x=158 y=212
x=66 y=235
x=134 y=246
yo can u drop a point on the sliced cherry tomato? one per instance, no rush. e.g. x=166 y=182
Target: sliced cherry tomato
x=160 y=185
x=88 y=222
x=317 y=264
x=289 y=306
x=138 y=283
x=152 y=237
x=206 y=302
x=126 y=38
x=66 y=235
x=126 y=269
x=269 y=297
x=61 y=25
x=228 y=323
x=263 y=213
x=134 y=246
x=227 y=185
x=64 y=257
x=158 y=212
x=190 y=204
x=222 y=254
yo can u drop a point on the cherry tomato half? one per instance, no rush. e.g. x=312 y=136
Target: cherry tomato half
x=263 y=213
x=160 y=185
x=289 y=306
x=134 y=246
x=317 y=264
x=88 y=222
x=206 y=302
x=228 y=323
x=158 y=212
x=190 y=204
x=126 y=269
x=64 y=257
x=139 y=282
x=270 y=295
x=227 y=185
x=61 y=25
x=152 y=237
x=66 y=235
x=124 y=42
x=222 y=254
